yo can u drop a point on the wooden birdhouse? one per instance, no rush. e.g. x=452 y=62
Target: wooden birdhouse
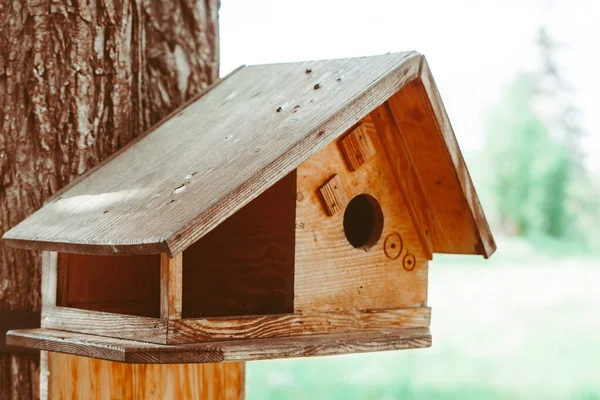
x=291 y=210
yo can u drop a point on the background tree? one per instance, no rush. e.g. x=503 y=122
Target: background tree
x=535 y=142
x=78 y=80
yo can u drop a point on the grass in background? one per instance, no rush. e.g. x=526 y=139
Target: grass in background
x=522 y=325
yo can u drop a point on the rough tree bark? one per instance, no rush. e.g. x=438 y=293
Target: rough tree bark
x=78 y=80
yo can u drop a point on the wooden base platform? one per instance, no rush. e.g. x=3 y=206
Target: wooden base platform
x=134 y=352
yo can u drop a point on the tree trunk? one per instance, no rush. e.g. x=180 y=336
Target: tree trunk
x=78 y=80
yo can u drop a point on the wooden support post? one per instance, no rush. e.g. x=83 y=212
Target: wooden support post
x=170 y=286
x=90 y=378
x=49 y=278
x=49 y=293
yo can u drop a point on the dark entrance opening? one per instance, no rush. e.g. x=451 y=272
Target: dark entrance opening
x=363 y=221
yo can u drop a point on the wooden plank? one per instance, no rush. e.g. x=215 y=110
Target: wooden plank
x=105 y=324
x=171 y=286
x=50 y=282
x=334 y=195
x=403 y=166
x=195 y=381
x=128 y=351
x=49 y=278
x=330 y=274
x=88 y=378
x=172 y=190
x=245 y=266
x=44 y=375
x=234 y=381
x=272 y=326
x=438 y=162
x=356 y=147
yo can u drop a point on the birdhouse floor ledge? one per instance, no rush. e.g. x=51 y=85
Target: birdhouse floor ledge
x=134 y=352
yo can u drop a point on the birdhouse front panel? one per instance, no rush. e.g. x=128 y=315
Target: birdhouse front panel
x=356 y=244
x=289 y=211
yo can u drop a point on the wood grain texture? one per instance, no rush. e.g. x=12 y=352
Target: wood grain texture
x=116 y=284
x=171 y=286
x=245 y=266
x=192 y=330
x=49 y=279
x=106 y=324
x=272 y=326
x=402 y=164
x=50 y=290
x=127 y=351
x=212 y=167
x=458 y=224
x=334 y=195
x=356 y=147
x=330 y=274
x=88 y=378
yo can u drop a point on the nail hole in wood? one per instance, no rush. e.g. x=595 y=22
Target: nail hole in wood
x=409 y=262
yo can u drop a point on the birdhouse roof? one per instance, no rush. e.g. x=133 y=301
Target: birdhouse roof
x=211 y=157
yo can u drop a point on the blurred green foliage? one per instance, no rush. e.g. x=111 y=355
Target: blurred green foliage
x=525 y=165
x=540 y=187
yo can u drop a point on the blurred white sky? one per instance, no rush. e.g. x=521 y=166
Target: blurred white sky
x=474 y=47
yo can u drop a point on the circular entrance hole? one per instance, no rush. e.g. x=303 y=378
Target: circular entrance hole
x=363 y=221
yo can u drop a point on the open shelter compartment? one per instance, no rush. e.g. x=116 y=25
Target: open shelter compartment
x=116 y=284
